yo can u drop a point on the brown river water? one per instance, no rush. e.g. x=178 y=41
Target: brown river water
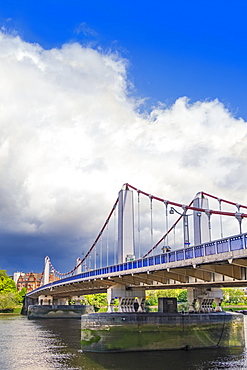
x=55 y=344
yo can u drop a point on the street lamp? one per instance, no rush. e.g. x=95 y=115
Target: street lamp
x=185 y=224
x=239 y=217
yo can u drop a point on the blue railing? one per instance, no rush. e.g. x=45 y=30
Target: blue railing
x=216 y=247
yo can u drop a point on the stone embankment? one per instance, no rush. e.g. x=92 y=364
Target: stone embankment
x=117 y=332
x=58 y=311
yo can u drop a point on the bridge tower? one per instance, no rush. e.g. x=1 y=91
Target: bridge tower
x=128 y=298
x=79 y=268
x=125 y=226
x=201 y=220
x=46 y=277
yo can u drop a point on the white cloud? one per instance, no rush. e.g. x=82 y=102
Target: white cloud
x=71 y=135
x=85 y=30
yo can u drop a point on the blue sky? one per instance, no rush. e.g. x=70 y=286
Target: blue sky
x=96 y=94
x=175 y=48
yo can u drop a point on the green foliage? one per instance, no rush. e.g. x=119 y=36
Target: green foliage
x=88 y=337
x=183 y=307
x=6 y=283
x=183 y=296
x=233 y=295
x=21 y=294
x=151 y=298
x=96 y=300
x=153 y=295
x=8 y=301
x=9 y=297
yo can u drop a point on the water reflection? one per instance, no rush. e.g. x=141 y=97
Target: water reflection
x=55 y=344
x=167 y=360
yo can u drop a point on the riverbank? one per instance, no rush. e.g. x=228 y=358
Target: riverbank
x=234 y=308
x=11 y=312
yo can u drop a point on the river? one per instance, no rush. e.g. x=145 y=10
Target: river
x=55 y=344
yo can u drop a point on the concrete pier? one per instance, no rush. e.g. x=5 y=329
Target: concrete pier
x=118 y=332
x=58 y=311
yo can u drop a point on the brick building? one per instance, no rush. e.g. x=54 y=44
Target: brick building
x=30 y=281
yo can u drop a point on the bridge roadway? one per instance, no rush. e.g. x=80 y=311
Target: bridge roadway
x=220 y=263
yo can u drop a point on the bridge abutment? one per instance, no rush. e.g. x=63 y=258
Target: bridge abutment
x=45 y=300
x=58 y=311
x=130 y=299
x=203 y=299
x=61 y=301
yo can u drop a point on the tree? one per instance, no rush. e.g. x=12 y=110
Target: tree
x=8 y=301
x=21 y=294
x=7 y=285
x=233 y=295
x=151 y=298
x=9 y=297
x=153 y=295
x=97 y=300
x=183 y=296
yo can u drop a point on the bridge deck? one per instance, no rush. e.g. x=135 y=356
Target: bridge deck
x=218 y=263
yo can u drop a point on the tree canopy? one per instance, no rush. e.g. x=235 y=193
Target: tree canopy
x=153 y=295
x=96 y=300
x=7 y=285
x=9 y=296
x=233 y=295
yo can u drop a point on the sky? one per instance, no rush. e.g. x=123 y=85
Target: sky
x=96 y=94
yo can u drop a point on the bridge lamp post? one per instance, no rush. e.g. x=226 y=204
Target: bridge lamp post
x=239 y=217
x=185 y=224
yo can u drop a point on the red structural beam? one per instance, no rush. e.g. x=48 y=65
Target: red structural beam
x=224 y=200
x=223 y=213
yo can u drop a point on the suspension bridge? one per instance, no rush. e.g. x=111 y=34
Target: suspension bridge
x=148 y=242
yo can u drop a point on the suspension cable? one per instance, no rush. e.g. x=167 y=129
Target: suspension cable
x=174 y=235
x=166 y=242
x=139 y=224
x=107 y=244
x=224 y=200
x=180 y=205
x=115 y=239
x=221 y=225
x=151 y=219
x=93 y=245
x=101 y=251
x=127 y=186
